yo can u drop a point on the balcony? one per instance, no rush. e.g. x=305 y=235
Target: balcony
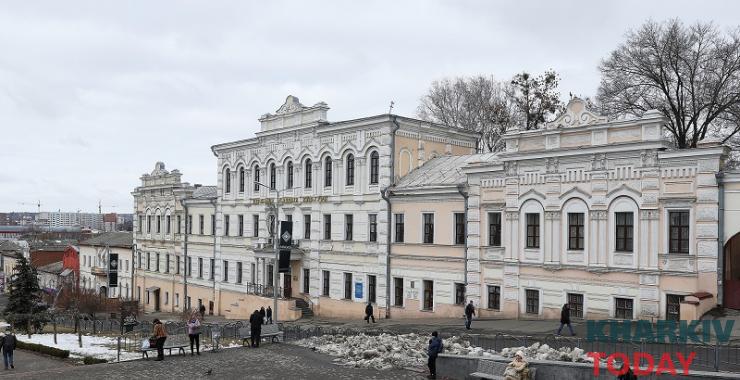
x=98 y=271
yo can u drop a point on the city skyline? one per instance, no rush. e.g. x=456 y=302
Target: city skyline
x=95 y=91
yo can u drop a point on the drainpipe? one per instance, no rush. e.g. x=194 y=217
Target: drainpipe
x=721 y=239
x=185 y=260
x=386 y=196
x=461 y=189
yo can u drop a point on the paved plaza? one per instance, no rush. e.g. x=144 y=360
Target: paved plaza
x=272 y=361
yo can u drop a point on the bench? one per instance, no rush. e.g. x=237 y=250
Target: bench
x=179 y=342
x=271 y=331
x=490 y=369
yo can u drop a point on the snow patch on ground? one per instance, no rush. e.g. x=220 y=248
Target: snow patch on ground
x=387 y=351
x=100 y=347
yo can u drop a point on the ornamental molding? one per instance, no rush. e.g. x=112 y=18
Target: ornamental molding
x=576 y=115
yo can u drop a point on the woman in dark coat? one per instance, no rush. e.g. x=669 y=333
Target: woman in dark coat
x=565 y=319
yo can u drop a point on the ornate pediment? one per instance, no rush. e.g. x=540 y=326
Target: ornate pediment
x=576 y=115
x=292 y=104
x=159 y=169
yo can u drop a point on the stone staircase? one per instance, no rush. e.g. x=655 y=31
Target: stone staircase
x=306 y=311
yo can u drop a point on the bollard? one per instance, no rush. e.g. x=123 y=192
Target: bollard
x=118 y=353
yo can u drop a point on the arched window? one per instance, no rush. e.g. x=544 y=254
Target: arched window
x=273 y=178
x=308 y=176
x=256 y=178
x=327 y=172
x=374 y=167
x=290 y=175
x=350 y=170
x=227 y=174
x=241 y=179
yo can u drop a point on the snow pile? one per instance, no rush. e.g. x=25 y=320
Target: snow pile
x=100 y=347
x=544 y=352
x=387 y=351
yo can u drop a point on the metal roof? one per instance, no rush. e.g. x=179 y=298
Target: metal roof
x=205 y=192
x=113 y=239
x=439 y=171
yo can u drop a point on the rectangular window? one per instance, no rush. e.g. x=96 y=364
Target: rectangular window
x=306 y=280
x=225 y=272
x=201 y=225
x=623 y=308
x=623 y=231
x=167 y=263
x=179 y=224
x=494 y=229
x=327 y=226
x=673 y=307
x=167 y=225
x=200 y=267
x=156 y=265
x=327 y=172
x=239 y=272
x=459 y=294
x=428 y=295
x=459 y=228
x=253 y=273
x=141 y=223
x=399 y=228
x=177 y=299
x=348 y=226
x=308 y=180
x=533 y=230
x=575 y=301
x=140 y=260
x=325 y=283
x=371 y=285
x=213 y=225
x=189 y=268
x=270 y=275
x=494 y=297
x=212 y=275
x=575 y=231
x=398 y=291
x=177 y=265
x=533 y=299
x=159 y=224
x=166 y=298
x=373 y=222
x=255 y=225
x=190 y=225
x=148 y=261
x=678 y=231
x=226 y=225
x=148 y=224
x=306 y=226
x=348 y=286
x=428 y=228
x=241 y=225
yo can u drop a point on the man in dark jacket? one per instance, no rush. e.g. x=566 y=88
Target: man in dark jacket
x=269 y=315
x=255 y=325
x=435 y=347
x=565 y=319
x=369 y=313
x=7 y=343
x=469 y=313
x=263 y=313
x=629 y=375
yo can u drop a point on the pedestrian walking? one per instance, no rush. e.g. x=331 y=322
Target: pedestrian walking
x=263 y=313
x=435 y=348
x=565 y=319
x=194 y=333
x=469 y=313
x=161 y=334
x=628 y=374
x=7 y=343
x=202 y=310
x=269 y=315
x=255 y=326
x=369 y=313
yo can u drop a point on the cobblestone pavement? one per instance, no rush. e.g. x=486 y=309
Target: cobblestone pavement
x=272 y=361
x=26 y=361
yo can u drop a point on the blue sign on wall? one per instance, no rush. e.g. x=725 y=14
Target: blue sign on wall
x=358 y=290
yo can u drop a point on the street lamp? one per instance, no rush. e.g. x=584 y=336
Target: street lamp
x=275 y=244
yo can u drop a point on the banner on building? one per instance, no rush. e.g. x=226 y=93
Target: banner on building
x=286 y=242
x=358 y=290
x=112 y=270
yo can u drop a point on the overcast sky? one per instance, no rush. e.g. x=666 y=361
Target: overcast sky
x=93 y=93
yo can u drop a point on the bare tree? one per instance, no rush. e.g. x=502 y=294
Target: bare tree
x=690 y=74
x=479 y=104
x=536 y=98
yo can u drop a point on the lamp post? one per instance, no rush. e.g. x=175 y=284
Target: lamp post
x=276 y=247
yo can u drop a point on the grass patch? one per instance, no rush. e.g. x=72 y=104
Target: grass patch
x=42 y=349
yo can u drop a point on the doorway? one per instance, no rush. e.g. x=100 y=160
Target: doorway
x=156 y=300
x=731 y=280
x=287 y=287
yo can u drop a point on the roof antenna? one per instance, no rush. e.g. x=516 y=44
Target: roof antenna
x=390 y=108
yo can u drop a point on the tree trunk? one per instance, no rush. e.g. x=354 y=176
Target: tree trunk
x=54 y=323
